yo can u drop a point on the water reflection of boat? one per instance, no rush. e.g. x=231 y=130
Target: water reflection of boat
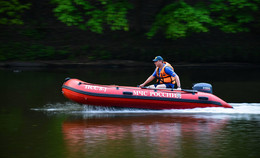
x=162 y=133
x=134 y=97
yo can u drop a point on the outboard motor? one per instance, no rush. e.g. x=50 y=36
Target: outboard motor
x=203 y=87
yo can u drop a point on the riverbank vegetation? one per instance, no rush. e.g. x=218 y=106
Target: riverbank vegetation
x=88 y=30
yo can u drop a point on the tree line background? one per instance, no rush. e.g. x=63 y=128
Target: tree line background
x=88 y=30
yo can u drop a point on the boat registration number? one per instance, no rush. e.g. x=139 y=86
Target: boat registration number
x=97 y=88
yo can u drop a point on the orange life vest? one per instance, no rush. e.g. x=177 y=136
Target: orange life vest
x=164 y=77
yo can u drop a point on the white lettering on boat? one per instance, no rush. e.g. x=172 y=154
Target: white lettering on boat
x=97 y=88
x=157 y=94
x=142 y=93
x=165 y=95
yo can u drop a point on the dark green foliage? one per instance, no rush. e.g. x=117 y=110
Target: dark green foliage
x=11 y=10
x=27 y=51
x=93 y=16
x=195 y=30
x=32 y=33
x=178 y=19
x=231 y=16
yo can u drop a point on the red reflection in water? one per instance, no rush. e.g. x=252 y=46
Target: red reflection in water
x=158 y=133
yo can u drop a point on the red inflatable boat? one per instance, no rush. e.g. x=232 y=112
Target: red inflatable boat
x=135 y=97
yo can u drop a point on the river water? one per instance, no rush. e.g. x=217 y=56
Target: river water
x=37 y=121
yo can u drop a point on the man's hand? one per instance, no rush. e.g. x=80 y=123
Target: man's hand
x=142 y=85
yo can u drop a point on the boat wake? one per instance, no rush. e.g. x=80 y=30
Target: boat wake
x=68 y=107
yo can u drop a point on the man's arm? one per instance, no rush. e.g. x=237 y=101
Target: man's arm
x=178 y=82
x=149 y=79
x=169 y=71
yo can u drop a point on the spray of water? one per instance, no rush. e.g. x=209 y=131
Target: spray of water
x=239 y=108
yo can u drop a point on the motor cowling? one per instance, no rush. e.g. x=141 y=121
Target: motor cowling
x=203 y=87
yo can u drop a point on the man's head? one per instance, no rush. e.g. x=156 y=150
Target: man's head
x=158 y=61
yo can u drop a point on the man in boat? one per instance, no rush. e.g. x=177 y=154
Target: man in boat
x=164 y=72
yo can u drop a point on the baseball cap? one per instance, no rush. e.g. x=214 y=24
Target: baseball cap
x=157 y=58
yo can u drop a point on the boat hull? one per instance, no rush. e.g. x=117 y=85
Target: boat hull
x=134 y=97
